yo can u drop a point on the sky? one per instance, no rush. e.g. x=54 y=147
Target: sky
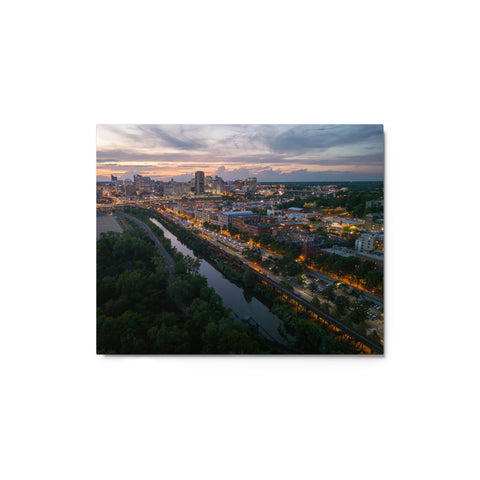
x=272 y=153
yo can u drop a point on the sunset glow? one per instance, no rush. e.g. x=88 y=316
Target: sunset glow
x=272 y=153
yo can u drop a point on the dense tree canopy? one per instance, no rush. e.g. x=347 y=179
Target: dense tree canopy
x=138 y=312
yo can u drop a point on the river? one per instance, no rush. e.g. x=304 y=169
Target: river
x=232 y=296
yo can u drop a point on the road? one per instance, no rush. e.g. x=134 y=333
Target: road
x=376 y=300
x=301 y=296
x=168 y=259
x=369 y=296
x=211 y=237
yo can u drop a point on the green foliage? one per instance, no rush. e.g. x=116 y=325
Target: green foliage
x=249 y=278
x=286 y=285
x=207 y=323
x=359 y=312
x=359 y=211
x=254 y=254
x=355 y=203
x=342 y=303
x=288 y=267
x=281 y=247
x=329 y=293
x=301 y=279
x=233 y=231
x=374 y=336
x=366 y=272
x=221 y=336
x=361 y=328
x=211 y=226
x=306 y=336
x=325 y=307
x=138 y=313
x=185 y=264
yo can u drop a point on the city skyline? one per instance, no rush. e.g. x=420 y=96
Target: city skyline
x=271 y=153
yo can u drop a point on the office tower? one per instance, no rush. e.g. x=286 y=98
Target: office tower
x=143 y=184
x=199 y=183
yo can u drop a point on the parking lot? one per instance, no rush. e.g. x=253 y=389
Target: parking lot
x=314 y=285
x=107 y=223
x=229 y=241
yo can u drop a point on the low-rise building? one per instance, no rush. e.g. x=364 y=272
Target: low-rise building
x=209 y=216
x=295 y=210
x=374 y=203
x=249 y=226
x=374 y=256
x=374 y=222
x=369 y=241
x=225 y=218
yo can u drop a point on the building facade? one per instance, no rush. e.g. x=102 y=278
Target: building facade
x=199 y=183
x=368 y=242
x=225 y=218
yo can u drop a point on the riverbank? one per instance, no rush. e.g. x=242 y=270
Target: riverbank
x=232 y=294
x=317 y=335
x=140 y=311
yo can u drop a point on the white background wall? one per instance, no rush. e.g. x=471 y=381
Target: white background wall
x=67 y=413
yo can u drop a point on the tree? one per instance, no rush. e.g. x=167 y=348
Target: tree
x=359 y=312
x=374 y=336
x=253 y=254
x=249 y=279
x=329 y=293
x=301 y=279
x=373 y=280
x=342 y=303
x=325 y=307
x=192 y=265
x=359 y=211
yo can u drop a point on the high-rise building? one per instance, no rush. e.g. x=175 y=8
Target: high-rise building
x=199 y=183
x=142 y=184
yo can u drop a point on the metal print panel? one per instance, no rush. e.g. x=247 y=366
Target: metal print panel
x=240 y=239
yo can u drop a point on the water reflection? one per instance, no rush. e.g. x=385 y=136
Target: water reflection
x=242 y=304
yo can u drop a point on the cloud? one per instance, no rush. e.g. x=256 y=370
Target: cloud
x=301 y=138
x=180 y=142
x=359 y=160
x=242 y=150
x=298 y=175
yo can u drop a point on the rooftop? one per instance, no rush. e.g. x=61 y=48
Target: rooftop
x=248 y=212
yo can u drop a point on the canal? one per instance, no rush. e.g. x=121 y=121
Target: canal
x=232 y=296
